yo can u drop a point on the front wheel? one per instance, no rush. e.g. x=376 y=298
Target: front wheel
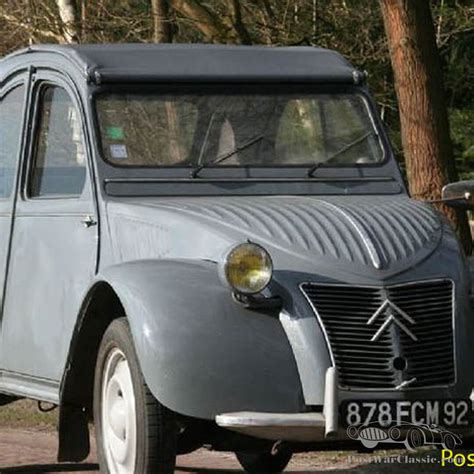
x=264 y=461
x=135 y=433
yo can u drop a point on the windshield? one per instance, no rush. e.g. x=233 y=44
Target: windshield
x=200 y=130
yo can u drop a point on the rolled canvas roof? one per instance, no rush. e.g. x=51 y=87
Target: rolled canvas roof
x=190 y=62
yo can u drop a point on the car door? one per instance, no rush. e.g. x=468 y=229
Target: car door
x=12 y=108
x=54 y=241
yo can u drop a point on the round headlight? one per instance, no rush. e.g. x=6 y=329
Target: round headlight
x=248 y=268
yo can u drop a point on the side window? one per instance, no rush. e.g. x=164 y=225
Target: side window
x=11 y=115
x=59 y=162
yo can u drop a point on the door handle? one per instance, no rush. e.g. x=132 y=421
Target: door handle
x=88 y=221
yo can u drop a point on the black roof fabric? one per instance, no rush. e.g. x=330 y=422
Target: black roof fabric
x=180 y=62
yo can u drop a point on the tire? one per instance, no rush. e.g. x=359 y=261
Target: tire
x=415 y=439
x=134 y=432
x=263 y=462
x=449 y=442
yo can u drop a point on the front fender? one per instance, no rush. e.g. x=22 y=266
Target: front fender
x=202 y=353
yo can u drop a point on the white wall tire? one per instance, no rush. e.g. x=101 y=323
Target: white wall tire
x=135 y=433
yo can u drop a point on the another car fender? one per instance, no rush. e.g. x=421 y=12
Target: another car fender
x=201 y=352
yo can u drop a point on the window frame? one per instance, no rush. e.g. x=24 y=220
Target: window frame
x=4 y=91
x=227 y=170
x=325 y=136
x=35 y=124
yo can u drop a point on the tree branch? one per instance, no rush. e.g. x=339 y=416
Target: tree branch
x=238 y=23
x=30 y=28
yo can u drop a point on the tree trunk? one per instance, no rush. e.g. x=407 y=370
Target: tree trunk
x=163 y=33
x=69 y=18
x=162 y=28
x=423 y=114
x=209 y=24
x=215 y=27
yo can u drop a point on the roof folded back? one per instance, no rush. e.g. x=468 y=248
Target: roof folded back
x=182 y=62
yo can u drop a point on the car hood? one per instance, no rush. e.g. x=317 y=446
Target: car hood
x=357 y=234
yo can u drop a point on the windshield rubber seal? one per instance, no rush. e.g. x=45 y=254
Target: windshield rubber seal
x=225 y=171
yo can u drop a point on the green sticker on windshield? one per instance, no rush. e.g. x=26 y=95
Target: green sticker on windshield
x=115 y=133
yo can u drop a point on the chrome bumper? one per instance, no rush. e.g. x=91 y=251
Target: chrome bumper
x=285 y=426
x=303 y=427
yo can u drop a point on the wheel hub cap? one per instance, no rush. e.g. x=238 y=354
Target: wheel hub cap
x=118 y=414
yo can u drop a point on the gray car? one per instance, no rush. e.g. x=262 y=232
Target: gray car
x=214 y=245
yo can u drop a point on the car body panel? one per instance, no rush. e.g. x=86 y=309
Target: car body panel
x=197 y=347
x=54 y=256
x=155 y=230
x=57 y=267
x=376 y=236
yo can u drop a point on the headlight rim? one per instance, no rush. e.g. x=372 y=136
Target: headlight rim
x=238 y=289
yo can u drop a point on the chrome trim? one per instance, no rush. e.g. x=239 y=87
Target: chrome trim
x=331 y=402
x=391 y=319
x=369 y=245
x=249 y=418
x=405 y=383
x=300 y=427
x=415 y=282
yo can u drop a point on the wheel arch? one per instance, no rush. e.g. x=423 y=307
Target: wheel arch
x=178 y=346
x=100 y=307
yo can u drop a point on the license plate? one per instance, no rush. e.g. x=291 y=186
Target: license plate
x=447 y=413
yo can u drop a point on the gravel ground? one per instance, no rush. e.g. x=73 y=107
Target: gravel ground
x=33 y=451
x=28 y=445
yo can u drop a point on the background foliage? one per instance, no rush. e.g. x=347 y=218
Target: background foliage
x=354 y=27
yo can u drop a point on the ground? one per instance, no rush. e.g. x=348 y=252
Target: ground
x=28 y=444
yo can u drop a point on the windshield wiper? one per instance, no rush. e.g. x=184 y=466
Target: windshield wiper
x=195 y=172
x=316 y=166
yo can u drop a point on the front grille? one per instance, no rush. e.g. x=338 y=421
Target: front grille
x=424 y=311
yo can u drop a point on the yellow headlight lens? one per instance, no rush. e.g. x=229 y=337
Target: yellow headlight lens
x=248 y=268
